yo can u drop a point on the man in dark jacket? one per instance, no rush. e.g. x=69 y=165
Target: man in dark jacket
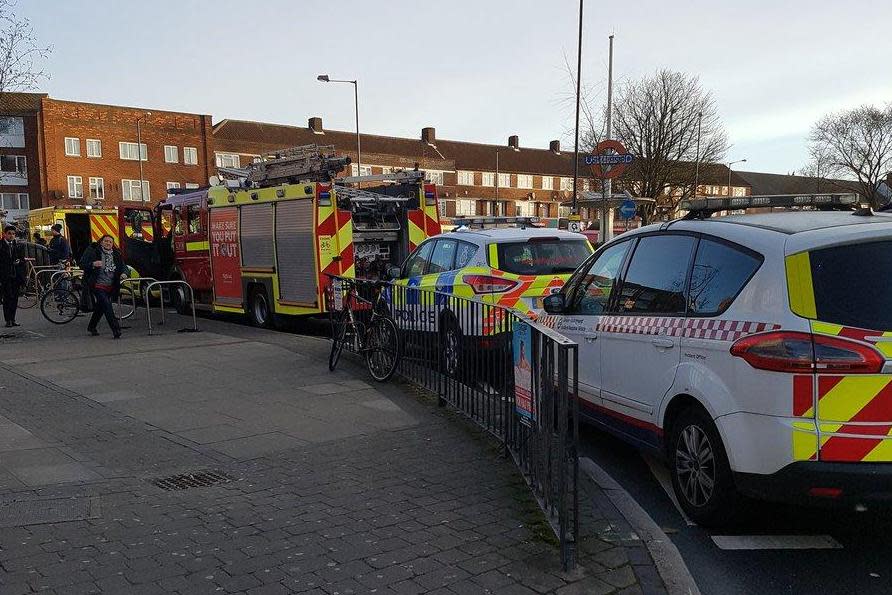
x=12 y=274
x=103 y=268
x=59 y=248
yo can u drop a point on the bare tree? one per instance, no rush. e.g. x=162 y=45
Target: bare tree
x=656 y=118
x=856 y=143
x=20 y=51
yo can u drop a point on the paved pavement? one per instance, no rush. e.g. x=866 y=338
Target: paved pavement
x=320 y=482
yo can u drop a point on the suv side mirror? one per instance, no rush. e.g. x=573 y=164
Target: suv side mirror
x=393 y=272
x=554 y=303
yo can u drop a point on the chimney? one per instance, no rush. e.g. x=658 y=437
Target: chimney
x=429 y=135
x=315 y=125
x=555 y=147
x=514 y=141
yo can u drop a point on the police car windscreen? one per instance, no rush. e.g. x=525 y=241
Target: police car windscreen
x=853 y=284
x=542 y=256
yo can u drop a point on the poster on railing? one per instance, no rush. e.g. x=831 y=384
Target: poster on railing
x=523 y=371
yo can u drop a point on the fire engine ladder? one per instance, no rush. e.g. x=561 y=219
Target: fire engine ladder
x=306 y=163
x=363 y=201
x=412 y=176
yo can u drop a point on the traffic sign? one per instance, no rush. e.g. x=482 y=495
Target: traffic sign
x=609 y=160
x=628 y=209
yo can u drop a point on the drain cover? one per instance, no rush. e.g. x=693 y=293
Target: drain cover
x=190 y=480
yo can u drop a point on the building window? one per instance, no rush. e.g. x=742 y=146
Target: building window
x=525 y=209
x=171 y=154
x=170 y=186
x=12 y=131
x=72 y=147
x=524 y=181
x=504 y=180
x=94 y=147
x=365 y=170
x=434 y=177
x=442 y=208
x=465 y=207
x=228 y=160
x=97 y=188
x=130 y=190
x=75 y=187
x=129 y=151
x=585 y=186
x=14 y=164
x=14 y=201
x=488 y=179
x=465 y=178
x=567 y=184
x=738 y=191
x=191 y=186
x=190 y=155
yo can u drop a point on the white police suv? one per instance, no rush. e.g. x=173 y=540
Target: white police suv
x=754 y=351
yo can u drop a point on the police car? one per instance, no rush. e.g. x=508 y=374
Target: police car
x=515 y=267
x=754 y=351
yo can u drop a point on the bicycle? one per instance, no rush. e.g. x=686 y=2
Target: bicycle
x=378 y=340
x=61 y=302
x=33 y=288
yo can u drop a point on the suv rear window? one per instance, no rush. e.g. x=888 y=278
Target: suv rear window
x=853 y=284
x=546 y=256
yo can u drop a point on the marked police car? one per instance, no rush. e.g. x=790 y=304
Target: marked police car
x=754 y=351
x=514 y=267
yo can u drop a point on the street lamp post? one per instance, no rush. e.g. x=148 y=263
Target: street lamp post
x=729 y=173
x=142 y=184
x=325 y=79
x=498 y=149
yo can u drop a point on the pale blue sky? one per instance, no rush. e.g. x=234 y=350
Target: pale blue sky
x=476 y=70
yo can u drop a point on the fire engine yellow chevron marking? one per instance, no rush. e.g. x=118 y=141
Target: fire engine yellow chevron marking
x=345 y=235
x=799 y=285
x=882 y=453
x=416 y=234
x=850 y=396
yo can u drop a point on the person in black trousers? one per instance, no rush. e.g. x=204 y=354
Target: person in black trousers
x=103 y=268
x=12 y=274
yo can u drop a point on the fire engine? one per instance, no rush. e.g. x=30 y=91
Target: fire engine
x=263 y=241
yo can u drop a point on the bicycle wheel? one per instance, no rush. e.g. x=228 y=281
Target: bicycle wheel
x=28 y=294
x=382 y=349
x=338 y=338
x=60 y=306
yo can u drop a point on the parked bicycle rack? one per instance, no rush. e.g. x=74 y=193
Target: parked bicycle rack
x=148 y=292
x=133 y=292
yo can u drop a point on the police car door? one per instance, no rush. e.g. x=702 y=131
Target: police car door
x=411 y=308
x=640 y=338
x=587 y=296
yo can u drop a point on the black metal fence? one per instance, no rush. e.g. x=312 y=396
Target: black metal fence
x=513 y=377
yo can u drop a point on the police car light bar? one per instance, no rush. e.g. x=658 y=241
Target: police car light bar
x=481 y=221
x=698 y=207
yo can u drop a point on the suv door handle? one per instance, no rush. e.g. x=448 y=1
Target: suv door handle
x=663 y=343
x=591 y=338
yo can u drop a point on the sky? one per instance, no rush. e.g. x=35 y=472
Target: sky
x=475 y=70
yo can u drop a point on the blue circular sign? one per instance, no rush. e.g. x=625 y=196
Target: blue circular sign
x=628 y=209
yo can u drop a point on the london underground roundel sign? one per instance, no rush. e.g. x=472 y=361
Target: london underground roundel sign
x=609 y=160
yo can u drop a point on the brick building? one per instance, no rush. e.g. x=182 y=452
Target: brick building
x=19 y=150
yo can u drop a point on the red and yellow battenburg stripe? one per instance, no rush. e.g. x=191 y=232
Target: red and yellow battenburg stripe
x=102 y=224
x=334 y=242
x=424 y=222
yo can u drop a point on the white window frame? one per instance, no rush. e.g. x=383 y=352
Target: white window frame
x=465 y=207
x=75 y=187
x=127 y=187
x=190 y=156
x=15 y=199
x=488 y=178
x=191 y=186
x=125 y=149
x=227 y=159
x=433 y=176
x=27 y=199
x=566 y=184
x=465 y=178
x=72 y=146
x=547 y=183
x=97 y=188
x=355 y=170
x=175 y=153
x=18 y=170
x=525 y=181
x=94 y=143
x=504 y=180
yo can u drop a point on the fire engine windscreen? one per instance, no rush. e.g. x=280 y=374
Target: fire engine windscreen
x=542 y=256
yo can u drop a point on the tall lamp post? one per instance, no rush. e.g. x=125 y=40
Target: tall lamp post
x=729 y=173
x=499 y=149
x=325 y=79
x=142 y=184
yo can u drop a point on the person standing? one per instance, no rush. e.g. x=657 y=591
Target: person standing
x=12 y=274
x=38 y=239
x=103 y=268
x=59 y=248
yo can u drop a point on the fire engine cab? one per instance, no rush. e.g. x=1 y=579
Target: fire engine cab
x=264 y=240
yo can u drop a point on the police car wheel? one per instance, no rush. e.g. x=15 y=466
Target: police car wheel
x=450 y=348
x=701 y=475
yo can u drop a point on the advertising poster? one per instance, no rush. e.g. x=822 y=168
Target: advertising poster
x=225 y=258
x=523 y=371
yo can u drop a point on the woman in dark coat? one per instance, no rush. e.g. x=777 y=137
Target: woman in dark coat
x=103 y=268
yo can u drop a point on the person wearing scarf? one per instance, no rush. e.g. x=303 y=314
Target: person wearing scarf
x=103 y=268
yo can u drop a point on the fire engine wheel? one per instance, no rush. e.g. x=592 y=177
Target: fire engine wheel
x=259 y=310
x=180 y=301
x=382 y=349
x=701 y=475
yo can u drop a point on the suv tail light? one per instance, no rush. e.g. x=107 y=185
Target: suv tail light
x=793 y=352
x=488 y=284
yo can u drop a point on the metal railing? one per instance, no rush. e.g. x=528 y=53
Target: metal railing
x=161 y=284
x=514 y=378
